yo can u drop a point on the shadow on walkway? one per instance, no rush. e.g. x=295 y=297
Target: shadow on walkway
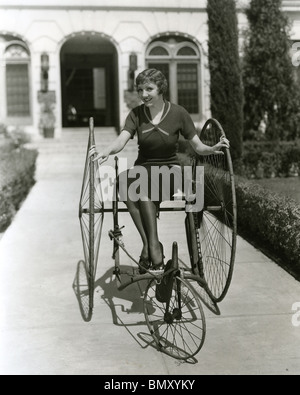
x=111 y=295
x=117 y=300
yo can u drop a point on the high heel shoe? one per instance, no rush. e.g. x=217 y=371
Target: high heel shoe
x=144 y=265
x=164 y=288
x=159 y=265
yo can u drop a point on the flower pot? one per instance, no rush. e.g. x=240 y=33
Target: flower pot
x=48 y=133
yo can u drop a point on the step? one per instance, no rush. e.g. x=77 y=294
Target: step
x=73 y=140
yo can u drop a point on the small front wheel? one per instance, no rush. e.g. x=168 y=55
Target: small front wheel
x=178 y=327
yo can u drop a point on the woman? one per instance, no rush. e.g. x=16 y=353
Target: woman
x=157 y=124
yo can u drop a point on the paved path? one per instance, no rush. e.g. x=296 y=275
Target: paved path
x=42 y=330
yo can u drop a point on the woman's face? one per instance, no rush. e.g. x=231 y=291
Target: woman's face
x=149 y=93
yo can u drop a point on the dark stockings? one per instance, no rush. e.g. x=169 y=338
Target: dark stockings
x=143 y=214
x=148 y=211
x=134 y=210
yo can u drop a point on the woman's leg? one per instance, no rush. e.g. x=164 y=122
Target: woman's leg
x=143 y=213
x=148 y=210
x=134 y=211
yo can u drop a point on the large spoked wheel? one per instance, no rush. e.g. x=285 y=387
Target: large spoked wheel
x=213 y=230
x=82 y=290
x=91 y=213
x=178 y=325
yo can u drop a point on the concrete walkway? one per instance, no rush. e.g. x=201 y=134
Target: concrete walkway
x=42 y=329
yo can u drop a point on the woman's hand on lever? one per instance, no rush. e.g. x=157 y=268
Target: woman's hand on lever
x=223 y=143
x=100 y=157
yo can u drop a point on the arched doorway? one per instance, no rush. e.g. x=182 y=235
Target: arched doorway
x=89 y=78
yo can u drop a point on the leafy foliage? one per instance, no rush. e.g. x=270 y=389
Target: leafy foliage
x=272 y=222
x=17 y=169
x=225 y=71
x=268 y=220
x=266 y=160
x=268 y=75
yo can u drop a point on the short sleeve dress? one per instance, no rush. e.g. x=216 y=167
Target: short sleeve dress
x=157 y=151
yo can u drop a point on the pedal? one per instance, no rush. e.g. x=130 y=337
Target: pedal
x=114 y=234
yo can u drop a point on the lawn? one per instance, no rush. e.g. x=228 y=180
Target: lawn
x=289 y=186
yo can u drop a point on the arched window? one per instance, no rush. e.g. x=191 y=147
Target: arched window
x=17 y=80
x=158 y=51
x=179 y=59
x=186 y=51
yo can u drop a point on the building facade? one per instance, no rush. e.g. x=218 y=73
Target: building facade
x=81 y=57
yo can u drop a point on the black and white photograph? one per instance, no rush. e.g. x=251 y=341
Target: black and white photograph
x=149 y=190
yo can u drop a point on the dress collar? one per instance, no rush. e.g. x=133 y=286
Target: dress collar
x=166 y=110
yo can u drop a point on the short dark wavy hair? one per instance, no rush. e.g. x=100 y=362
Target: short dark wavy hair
x=154 y=76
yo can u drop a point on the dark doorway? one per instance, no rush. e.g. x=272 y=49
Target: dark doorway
x=89 y=83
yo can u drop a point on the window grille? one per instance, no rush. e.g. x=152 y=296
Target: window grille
x=17 y=81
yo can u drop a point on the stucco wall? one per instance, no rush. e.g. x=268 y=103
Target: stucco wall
x=130 y=30
x=130 y=26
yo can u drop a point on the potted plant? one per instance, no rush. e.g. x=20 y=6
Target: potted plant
x=47 y=121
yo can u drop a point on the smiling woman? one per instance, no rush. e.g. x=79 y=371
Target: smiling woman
x=157 y=124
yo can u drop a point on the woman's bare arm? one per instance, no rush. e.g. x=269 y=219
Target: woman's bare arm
x=116 y=146
x=204 y=150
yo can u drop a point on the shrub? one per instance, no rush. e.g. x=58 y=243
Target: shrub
x=7 y=211
x=270 y=89
x=226 y=88
x=266 y=160
x=271 y=221
x=268 y=220
x=262 y=159
x=17 y=169
x=290 y=160
x=12 y=138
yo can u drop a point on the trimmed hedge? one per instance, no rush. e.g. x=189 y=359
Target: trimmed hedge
x=7 y=211
x=17 y=170
x=271 y=222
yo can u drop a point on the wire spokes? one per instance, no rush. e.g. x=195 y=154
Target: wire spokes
x=91 y=213
x=180 y=332
x=91 y=234
x=216 y=227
